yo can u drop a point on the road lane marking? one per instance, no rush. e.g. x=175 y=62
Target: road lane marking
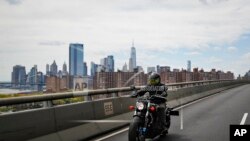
x=181 y=119
x=102 y=121
x=244 y=119
x=113 y=134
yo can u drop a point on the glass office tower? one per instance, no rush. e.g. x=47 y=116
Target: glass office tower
x=76 y=59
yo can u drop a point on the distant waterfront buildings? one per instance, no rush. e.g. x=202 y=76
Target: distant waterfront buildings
x=53 y=68
x=108 y=63
x=247 y=75
x=18 y=75
x=32 y=77
x=56 y=82
x=76 y=56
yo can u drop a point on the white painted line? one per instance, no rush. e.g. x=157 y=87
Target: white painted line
x=102 y=121
x=181 y=119
x=244 y=119
x=113 y=134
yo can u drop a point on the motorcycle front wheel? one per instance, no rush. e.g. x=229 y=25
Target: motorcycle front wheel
x=133 y=134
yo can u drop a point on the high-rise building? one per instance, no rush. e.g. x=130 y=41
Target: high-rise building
x=108 y=63
x=125 y=67
x=164 y=69
x=18 y=76
x=40 y=81
x=130 y=65
x=47 y=69
x=64 y=67
x=150 y=69
x=93 y=69
x=85 y=69
x=101 y=68
x=32 y=77
x=57 y=84
x=53 y=69
x=111 y=63
x=158 y=69
x=76 y=59
x=132 y=60
x=189 y=66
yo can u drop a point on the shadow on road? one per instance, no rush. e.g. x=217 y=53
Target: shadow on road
x=174 y=137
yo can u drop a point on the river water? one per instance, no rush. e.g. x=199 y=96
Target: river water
x=12 y=91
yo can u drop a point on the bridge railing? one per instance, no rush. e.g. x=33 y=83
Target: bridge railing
x=89 y=93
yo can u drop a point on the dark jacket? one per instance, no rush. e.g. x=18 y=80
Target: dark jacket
x=160 y=89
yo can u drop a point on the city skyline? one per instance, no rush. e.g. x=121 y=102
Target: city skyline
x=212 y=34
x=106 y=61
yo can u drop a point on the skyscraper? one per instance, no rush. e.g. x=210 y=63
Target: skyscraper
x=85 y=69
x=111 y=63
x=132 y=60
x=189 y=66
x=108 y=63
x=125 y=67
x=18 y=76
x=64 y=67
x=158 y=69
x=40 y=81
x=33 y=76
x=47 y=69
x=53 y=68
x=76 y=59
x=93 y=69
x=130 y=65
x=104 y=63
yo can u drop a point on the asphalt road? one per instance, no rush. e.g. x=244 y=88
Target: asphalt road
x=205 y=120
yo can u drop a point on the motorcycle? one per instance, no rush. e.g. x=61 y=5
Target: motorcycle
x=146 y=123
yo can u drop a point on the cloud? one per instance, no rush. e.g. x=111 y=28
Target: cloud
x=214 y=60
x=51 y=43
x=108 y=27
x=246 y=56
x=216 y=48
x=14 y=2
x=207 y=2
x=193 y=53
x=232 y=49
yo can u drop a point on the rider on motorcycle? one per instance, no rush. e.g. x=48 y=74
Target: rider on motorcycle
x=156 y=87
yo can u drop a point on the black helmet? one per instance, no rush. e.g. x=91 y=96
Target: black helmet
x=154 y=79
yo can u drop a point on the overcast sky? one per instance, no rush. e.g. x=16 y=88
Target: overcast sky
x=210 y=33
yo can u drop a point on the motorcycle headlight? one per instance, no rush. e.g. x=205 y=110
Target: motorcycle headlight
x=139 y=105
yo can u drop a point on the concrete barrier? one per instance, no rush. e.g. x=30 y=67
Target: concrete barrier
x=27 y=124
x=59 y=122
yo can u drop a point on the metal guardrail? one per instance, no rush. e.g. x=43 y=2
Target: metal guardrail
x=89 y=93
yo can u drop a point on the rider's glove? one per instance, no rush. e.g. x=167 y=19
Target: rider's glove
x=132 y=87
x=164 y=94
x=133 y=95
